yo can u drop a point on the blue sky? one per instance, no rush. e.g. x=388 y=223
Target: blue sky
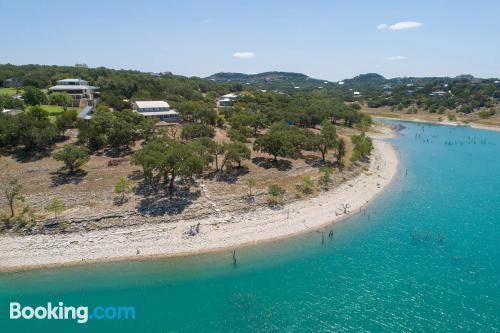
x=324 y=39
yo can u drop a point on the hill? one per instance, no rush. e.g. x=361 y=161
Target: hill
x=285 y=81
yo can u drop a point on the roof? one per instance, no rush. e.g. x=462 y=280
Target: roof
x=159 y=113
x=70 y=80
x=151 y=104
x=231 y=95
x=85 y=113
x=71 y=87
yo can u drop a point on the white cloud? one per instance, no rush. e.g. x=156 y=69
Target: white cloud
x=244 y=55
x=382 y=26
x=405 y=25
x=397 y=58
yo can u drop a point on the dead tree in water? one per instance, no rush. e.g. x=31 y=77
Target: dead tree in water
x=322 y=238
x=345 y=208
x=234 y=258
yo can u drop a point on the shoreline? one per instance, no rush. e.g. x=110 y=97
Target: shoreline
x=232 y=230
x=444 y=123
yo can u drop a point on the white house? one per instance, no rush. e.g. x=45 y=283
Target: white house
x=159 y=109
x=226 y=100
x=83 y=94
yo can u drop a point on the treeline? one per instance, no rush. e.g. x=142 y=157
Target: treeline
x=117 y=85
x=462 y=95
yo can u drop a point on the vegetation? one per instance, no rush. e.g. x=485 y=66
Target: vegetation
x=251 y=183
x=13 y=194
x=363 y=146
x=123 y=187
x=275 y=194
x=306 y=186
x=73 y=157
x=55 y=206
x=325 y=179
x=34 y=96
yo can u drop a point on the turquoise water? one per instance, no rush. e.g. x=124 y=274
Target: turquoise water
x=424 y=257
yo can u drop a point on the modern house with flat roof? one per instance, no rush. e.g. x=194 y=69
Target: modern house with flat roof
x=159 y=109
x=83 y=94
x=226 y=100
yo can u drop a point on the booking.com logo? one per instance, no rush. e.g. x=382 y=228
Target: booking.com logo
x=81 y=314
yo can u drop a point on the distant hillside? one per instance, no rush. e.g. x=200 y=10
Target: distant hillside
x=272 y=80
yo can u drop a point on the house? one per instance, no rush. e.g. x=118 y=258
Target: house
x=439 y=93
x=159 y=109
x=11 y=112
x=83 y=94
x=226 y=100
x=12 y=83
x=356 y=94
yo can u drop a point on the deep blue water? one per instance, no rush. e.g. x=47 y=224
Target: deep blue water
x=424 y=257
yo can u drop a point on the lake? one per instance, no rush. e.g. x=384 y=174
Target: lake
x=424 y=256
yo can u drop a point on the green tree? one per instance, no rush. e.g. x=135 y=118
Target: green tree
x=324 y=141
x=13 y=194
x=123 y=187
x=306 y=186
x=363 y=146
x=73 y=157
x=194 y=131
x=61 y=98
x=235 y=152
x=275 y=143
x=34 y=96
x=340 y=151
x=275 y=194
x=36 y=131
x=55 y=206
x=326 y=177
x=251 y=183
x=68 y=119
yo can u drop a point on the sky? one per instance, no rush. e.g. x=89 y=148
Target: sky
x=329 y=39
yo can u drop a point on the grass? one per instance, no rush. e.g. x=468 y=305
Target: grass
x=8 y=91
x=53 y=110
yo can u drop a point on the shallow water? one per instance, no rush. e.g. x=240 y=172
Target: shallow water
x=423 y=257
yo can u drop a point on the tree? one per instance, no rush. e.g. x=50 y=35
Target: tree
x=194 y=131
x=306 y=186
x=235 y=152
x=324 y=141
x=340 y=152
x=56 y=206
x=123 y=187
x=36 y=131
x=251 y=182
x=121 y=134
x=73 y=157
x=12 y=194
x=61 y=98
x=150 y=157
x=66 y=120
x=254 y=120
x=326 y=176
x=276 y=194
x=34 y=96
x=275 y=143
x=363 y=146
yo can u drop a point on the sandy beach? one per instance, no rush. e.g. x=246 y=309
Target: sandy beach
x=443 y=122
x=226 y=231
